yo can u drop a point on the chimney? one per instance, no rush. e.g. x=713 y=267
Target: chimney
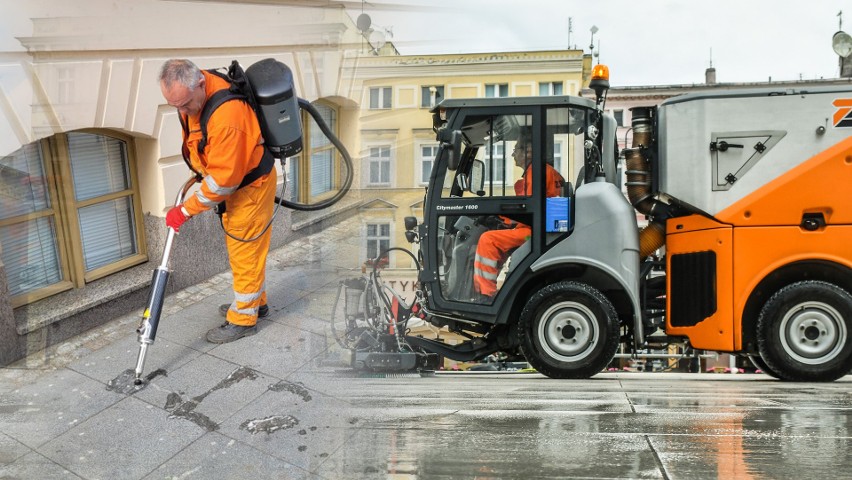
x=710 y=76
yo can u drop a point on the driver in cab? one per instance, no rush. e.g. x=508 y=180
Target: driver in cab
x=495 y=246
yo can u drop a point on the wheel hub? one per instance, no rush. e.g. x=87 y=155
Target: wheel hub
x=813 y=332
x=568 y=331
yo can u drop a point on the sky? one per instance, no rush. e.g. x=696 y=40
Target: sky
x=644 y=42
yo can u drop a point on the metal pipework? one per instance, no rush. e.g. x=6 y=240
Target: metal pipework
x=147 y=329
x=638 y=169
x=638 y=172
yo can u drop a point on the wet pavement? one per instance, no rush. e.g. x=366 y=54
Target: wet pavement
x=627 y=425
x=282 y=404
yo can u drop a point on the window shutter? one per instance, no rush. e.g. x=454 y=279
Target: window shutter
x=28 y=248
x=30 y=255
x=107 y=232
x=321 y=164
x=99 y=166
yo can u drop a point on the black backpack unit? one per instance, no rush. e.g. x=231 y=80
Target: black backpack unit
x=267 y=87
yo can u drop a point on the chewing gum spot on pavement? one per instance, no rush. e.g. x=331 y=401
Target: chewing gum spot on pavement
x=269 y=425
x=294 y=388
x=186 y=409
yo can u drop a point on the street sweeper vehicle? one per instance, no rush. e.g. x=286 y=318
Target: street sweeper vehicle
x=538 y=253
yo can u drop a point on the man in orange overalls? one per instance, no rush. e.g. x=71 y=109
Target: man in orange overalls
x=234 y=147
x=495 y=245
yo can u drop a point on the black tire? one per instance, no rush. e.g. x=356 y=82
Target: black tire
x=759 y=364
x=568 y=330
x=804 y=331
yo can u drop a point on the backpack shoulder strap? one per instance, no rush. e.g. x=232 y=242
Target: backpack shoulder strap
x=184 y=151
x=214 y=102
x=267 y=163
x=239 y=85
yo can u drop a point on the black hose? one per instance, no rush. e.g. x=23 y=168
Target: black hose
x=347 y=160
x=385 y=252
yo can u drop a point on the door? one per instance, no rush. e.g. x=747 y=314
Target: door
x=491 y=211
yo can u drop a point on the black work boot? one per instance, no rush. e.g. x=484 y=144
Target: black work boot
x=262 y=312
x=228 y=332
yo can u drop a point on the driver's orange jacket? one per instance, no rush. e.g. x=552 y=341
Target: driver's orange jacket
x=523 y=186
x=495 y=246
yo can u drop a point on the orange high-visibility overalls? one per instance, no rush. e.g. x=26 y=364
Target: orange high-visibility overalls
x=494 y=245
x=235 y=147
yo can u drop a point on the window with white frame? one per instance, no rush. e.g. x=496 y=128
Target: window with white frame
x=379 y=163
x=493 y=90
x=618 y=114
x=549 y=88
x=88 y=175
x=426 y=159
x=380 y=97
x=495 y=162
x=426 y=95
x=378 y=239
x=557 y=155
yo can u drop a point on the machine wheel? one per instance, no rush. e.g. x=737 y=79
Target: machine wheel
x=568 y=330
x=803 y=332
x=758 y=363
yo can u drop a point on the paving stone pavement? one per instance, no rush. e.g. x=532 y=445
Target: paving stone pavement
x=266 y=406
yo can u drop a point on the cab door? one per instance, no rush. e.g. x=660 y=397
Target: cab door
x=491 y=200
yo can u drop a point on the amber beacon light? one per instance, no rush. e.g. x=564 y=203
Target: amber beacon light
x=600 y=72
x=600 y=81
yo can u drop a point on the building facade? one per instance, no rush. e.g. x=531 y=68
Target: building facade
x=397 y=145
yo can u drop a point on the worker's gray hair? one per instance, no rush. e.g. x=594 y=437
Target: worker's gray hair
x=182 y=71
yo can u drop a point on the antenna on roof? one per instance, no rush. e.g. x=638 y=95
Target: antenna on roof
x=570 y=30
x=711 y=57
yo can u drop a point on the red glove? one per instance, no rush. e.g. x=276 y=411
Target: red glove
x=175 y=218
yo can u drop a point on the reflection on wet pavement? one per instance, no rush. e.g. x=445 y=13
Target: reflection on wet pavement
x=517 y=426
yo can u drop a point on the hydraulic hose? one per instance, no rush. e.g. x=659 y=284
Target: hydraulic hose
x=347 y=160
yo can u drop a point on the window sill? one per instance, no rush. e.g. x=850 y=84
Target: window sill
x=303 y=220
x=37 y=315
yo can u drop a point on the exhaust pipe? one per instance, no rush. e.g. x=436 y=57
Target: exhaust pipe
x=638 y=173
x=638 y=170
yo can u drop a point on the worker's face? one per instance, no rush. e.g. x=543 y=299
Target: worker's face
x=522 y=154
x=188 y=102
